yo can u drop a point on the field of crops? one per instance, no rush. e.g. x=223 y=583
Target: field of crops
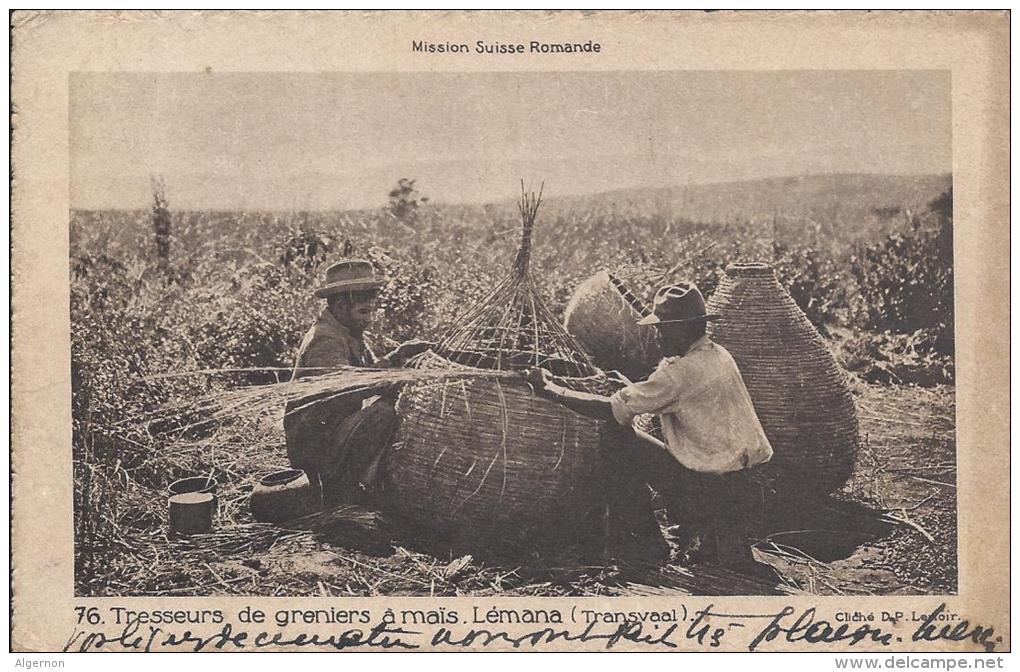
x=162 y=291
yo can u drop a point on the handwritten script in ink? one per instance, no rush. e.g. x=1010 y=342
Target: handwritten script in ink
x=704 y=629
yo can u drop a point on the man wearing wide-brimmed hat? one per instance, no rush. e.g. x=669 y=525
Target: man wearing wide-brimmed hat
x=340 y=442
x=712 y=434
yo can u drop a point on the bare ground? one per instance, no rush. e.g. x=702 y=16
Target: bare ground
x=891 y=530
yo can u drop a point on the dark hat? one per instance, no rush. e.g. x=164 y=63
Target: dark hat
x=349 y=275
x=678 y=303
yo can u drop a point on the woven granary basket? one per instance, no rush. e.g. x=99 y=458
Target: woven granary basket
x=602 y=315
x=486 y=462
x=486 y=459
x=799 y=392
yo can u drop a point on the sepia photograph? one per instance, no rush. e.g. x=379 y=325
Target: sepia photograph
x=514 y=330
x=618 y=333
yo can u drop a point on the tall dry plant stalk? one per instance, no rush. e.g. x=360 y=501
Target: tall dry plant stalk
x=161 y=220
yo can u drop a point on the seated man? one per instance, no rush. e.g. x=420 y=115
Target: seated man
x=712 y=436
x=334 y=440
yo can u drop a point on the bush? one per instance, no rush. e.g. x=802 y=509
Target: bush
x=405 y=299
x=814 y=281
x=910 y=359
x=405 y=201
x=306 y=247
x=906 y=280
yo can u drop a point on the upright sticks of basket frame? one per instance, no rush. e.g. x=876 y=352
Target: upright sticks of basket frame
x=486 y=462
x=511 y=328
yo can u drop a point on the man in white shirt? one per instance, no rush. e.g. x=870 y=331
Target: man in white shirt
x=711 y=429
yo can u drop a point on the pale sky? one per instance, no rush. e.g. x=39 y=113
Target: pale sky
x=338 y=140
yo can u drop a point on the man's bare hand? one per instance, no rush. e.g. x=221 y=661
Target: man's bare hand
x=407 y=350
x=592 y=405
x=413 y=348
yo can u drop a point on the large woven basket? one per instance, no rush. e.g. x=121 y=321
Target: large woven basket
x=602 y=315
x=486 y=462
x=485 y=459
x=799 y=392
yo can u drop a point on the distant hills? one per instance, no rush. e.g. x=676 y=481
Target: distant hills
x=837 y=197
x=830 y=199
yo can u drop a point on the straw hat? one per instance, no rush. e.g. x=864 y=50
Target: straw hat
x=349 y=275
x=678 y=303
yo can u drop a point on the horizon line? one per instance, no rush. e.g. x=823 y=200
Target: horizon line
x=510 y=199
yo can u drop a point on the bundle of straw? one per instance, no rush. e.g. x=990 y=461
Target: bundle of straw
x=258 y=400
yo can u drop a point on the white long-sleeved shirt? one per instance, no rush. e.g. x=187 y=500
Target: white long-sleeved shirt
x=708 y=419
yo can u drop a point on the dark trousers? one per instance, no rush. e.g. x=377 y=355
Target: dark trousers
x=711 y=510
x=343 y=449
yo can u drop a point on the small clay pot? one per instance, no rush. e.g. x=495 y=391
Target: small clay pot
x=283 y=495
x=192 y=512
x=206 y=484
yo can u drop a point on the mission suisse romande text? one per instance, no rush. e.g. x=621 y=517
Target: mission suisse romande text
x=483 y=47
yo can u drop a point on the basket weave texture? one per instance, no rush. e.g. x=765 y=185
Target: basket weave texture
x=799 y=392
x=484 y=458
x=602 y=315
